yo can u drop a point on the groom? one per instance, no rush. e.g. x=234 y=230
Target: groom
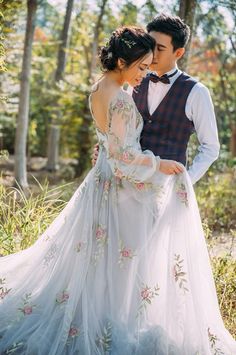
x=173 y=104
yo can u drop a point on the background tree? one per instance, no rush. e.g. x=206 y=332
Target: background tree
x=2 y=50
x=212 y=40
x=84 y=132
x=187 y=9
x=97 y=30
x=23 y=113
x=8 y=18
x=54 y=130
x=214 y=62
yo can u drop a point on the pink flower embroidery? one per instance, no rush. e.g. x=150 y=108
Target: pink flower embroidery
x=118 y=180
x=119 y=104
x=107 y=185
x=146 y=293
x=126 y=156
x=27 y=310
x=27 y=307
x=3 y=294
x=140 y=186
x=174 y=271
x=182 y=193
x=63 y=297
x=100 y=233
x=118 y=173
x=126 y=253
x=73 y=332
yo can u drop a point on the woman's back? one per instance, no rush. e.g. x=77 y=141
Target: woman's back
x=102 y=94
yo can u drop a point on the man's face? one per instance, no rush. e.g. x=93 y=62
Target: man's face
x=164 y=56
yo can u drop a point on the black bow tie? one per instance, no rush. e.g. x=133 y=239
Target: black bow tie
x=163 y=79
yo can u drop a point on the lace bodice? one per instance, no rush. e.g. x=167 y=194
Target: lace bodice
x=121 y=141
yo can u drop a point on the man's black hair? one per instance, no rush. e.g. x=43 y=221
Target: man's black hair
x=172 y=26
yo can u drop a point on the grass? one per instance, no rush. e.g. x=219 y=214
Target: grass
x=24 y=218
x=224 y=270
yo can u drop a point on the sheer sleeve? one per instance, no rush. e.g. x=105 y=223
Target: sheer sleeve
x=125 y=156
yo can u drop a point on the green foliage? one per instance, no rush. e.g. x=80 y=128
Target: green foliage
x=8 y=14
x=216 y=48
x=216 y=195
x=2 y=48
x=67 y=103
x=224 y=270
x=128 y=14
x=24 y=218
x=215 y=191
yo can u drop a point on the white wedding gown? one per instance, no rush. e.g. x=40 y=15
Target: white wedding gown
x=123 y=269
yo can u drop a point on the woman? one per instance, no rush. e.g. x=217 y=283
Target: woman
x=124 y=268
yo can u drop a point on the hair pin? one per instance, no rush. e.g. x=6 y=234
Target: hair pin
x=128 y=42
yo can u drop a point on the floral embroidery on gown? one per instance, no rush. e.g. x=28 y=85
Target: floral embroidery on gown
x=122 y=270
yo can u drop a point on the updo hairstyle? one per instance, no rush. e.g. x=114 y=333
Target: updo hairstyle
x=128 y=43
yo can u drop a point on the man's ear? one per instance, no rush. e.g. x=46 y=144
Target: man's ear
x=179 y=53
x=121 y=63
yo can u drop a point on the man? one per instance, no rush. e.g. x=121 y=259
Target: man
x=173 y=104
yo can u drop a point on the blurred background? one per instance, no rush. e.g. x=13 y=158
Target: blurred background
x=48 y=61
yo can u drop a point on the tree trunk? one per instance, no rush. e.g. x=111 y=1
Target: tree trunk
x=54 y=129
x=23 y=111
x=96 y=38
x=187 y=9
x=64 y=40
x=84 y=131
x=53 y=152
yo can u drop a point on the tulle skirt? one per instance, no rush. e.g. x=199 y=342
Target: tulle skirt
x=122 y=270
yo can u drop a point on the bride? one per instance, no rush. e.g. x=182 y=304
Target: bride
x=124 y=268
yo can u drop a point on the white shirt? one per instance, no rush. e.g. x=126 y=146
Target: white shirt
x=200 y=110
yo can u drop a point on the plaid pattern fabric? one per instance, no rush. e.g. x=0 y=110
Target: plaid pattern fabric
x=167 y=131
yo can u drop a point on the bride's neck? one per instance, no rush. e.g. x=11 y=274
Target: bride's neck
x=114 y=77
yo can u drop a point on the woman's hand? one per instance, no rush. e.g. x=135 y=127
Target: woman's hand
x=95 y=154
x=170 y=167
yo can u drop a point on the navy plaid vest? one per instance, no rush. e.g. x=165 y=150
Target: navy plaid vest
x=167 y=131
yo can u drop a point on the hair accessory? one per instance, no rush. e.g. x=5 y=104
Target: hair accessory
x=109 y=55
x=128 y=42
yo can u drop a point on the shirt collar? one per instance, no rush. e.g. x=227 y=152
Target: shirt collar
x=173 y=78
x=172 y=71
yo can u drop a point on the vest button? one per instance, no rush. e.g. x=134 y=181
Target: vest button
x=149 y=121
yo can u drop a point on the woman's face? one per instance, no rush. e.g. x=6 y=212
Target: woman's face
x=134 y=74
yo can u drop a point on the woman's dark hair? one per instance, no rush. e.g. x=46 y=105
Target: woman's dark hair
x=128 y=43
x=172 y=26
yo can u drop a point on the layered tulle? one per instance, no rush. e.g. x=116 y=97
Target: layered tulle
x=124 y=268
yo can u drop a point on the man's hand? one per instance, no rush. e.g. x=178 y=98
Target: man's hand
x=95 y=154
x=170 y=167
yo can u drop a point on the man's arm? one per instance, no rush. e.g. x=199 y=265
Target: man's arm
x=200 y=110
